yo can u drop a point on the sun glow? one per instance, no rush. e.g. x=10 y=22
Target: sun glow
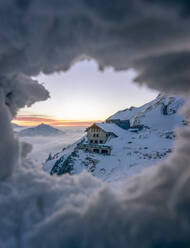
x=84 y=94
x=27 y=121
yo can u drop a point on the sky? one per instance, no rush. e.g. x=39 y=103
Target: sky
x=153 y=37
x=84 y=95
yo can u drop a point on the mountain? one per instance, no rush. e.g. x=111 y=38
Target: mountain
x=159 y=113
x=41 y=130
x=15 y=125
x=149 y=139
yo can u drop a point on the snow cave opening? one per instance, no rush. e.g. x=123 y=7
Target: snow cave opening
x=84 y=95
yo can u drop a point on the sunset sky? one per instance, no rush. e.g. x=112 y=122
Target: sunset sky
x=83 y=95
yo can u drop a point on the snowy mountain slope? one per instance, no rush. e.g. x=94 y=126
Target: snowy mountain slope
x=132 y=150
x=161 y=106
x=43 y=145
x=161 y=114
x=128 y=113
x=41 y=130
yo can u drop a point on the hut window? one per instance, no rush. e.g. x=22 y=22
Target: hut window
x=105 y=152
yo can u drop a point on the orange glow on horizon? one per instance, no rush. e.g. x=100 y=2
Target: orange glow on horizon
x=28 y=121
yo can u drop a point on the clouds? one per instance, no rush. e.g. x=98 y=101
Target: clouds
x=37 y=35
x=47 y=36
x=44 y=145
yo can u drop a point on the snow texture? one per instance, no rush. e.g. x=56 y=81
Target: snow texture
x=110 y=128
x=152 y=210
x=134 y=149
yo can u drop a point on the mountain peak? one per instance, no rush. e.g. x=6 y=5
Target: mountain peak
x=41 y=130
x=43 y=124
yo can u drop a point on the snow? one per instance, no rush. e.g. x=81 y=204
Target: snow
x=65 y=153
x=132 y=152
x=153 y=116
x=110 y=128
x=128 y=113
x=136 y=113
x=44 y=145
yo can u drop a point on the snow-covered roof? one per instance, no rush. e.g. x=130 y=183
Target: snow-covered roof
x=110 y=128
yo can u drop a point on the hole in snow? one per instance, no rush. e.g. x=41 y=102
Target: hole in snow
x=85 y=95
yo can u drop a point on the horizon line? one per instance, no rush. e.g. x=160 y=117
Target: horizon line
x=34 y=120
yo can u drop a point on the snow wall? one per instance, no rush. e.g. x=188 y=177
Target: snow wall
x=37 y=210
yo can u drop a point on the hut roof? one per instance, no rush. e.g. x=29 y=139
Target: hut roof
x=109 y=128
